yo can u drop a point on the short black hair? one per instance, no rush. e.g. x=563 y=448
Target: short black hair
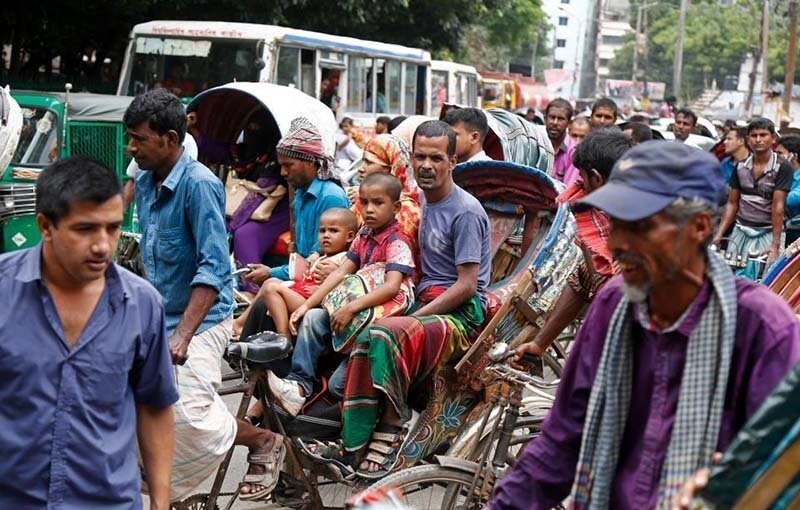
x=395 y=122
x=387 y=182
x=472 y=118
x=601 y=149
x=638 y=117
x=345 y=120
x=606 y=102
x=761 y=123
x=685 y=112
x=639 y=132
x=383 y=119
x=436 y=129
x=560 y=103
x=741 y=132
x=791 y=142
x=70 y=180
x=161 y=109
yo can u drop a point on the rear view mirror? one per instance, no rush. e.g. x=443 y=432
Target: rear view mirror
x=259 y=64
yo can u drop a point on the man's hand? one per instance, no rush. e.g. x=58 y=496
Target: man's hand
x=716 y=241
x=526 y=348
x=341 y=318
x=772 y=254
x=179 y=348
x=323 y=269
x=295 y=319
x=259 y=273
x=352 y=194
x=695 y=483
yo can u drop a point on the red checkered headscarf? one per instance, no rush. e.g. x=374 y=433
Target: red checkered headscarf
x=304 y=142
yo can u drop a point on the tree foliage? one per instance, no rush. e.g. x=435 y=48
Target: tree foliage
x=70 y=29
x=716 y=40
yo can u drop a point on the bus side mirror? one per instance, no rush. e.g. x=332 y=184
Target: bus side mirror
x=259 y=64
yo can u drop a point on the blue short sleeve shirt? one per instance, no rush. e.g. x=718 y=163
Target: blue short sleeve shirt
x=68 y=415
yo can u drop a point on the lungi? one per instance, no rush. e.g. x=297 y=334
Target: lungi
x=396 y=352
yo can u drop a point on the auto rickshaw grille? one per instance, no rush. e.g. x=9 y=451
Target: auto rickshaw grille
x=105 y=142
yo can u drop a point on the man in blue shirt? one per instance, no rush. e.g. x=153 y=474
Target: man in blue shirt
x=788 y=150
x=184 y=251
x=736 y=150
x=83 y=358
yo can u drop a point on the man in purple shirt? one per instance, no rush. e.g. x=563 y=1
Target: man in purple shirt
x=673 y=357
x=557 y=117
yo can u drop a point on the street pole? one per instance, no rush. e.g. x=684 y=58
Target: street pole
x=636 y=43
x=678 y=66
x=788 y=81
x=533 y=53
x=765 y=47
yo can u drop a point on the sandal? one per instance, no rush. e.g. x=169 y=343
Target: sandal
x=272 y=462
x=383 y=449
x=331 y=454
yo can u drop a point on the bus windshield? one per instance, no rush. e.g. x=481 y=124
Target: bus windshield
x=190 y=66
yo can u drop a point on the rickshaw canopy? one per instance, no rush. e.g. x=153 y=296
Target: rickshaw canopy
x=222 y=112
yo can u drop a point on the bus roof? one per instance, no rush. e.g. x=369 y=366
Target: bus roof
x=446 y=65
x=225 y=30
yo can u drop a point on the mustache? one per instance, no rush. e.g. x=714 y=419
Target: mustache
x=627 y=258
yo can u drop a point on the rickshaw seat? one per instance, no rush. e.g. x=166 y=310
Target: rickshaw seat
x=261 y=348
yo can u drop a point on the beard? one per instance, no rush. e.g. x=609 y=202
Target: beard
x=634 y=293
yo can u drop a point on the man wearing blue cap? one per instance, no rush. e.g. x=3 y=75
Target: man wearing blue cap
x=673 y=356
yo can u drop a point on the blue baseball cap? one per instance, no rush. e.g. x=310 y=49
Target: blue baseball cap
x=650 y=176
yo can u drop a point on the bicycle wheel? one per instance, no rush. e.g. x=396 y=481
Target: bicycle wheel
x=433 y=487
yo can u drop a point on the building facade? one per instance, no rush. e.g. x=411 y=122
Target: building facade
x=569 y=21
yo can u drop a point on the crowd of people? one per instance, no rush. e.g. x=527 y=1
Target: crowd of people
x=388 y=279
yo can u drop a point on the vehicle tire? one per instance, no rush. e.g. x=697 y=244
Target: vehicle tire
x=432 y=487
x=194 y=502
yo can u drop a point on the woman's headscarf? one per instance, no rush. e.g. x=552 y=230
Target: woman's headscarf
x=392 y=151
x=304 y=142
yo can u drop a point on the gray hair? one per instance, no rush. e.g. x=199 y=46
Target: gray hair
x=683 y=209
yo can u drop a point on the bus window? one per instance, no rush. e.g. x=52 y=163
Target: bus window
x=472 y=90
x=393 y=77
x=288 y=71
x=380 y=93
x=410 y=93
x=356 y=84
x=439 y=93
x=308 y=76
x=189 y=66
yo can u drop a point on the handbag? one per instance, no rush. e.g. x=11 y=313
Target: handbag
x=354 y=286
x=234 y=196
x=264 y=210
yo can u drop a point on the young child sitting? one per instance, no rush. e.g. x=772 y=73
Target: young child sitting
x=380 y=241
x=337 y=228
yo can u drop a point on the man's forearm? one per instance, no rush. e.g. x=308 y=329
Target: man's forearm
x=565 y=311
x=155 y=431
x=727 y=220
x=200 y=302
x=448 y=301
x=777 y=223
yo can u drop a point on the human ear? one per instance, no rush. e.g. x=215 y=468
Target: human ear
x=45 y=227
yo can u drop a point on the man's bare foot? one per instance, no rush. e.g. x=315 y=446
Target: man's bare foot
x=237 y=330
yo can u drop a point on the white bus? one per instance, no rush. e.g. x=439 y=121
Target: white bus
x=453 y=83
x=356 y=78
